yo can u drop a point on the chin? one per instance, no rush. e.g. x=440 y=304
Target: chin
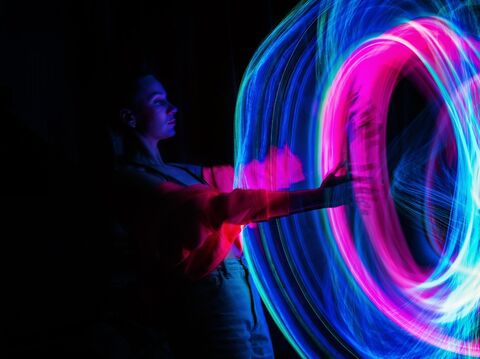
x=167 y=135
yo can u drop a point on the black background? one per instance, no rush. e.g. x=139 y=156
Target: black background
x=57 y=61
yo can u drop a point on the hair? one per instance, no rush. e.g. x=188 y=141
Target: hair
x=124 y=85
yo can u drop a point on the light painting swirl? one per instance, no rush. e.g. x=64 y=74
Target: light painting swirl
x=398 y=274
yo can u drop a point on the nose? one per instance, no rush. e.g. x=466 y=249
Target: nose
x=172 y=110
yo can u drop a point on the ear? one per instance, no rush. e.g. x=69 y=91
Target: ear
x=128 y=118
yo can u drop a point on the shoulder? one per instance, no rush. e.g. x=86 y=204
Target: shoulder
x=137 y=177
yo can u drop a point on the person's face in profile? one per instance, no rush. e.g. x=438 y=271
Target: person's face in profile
x=154 y=115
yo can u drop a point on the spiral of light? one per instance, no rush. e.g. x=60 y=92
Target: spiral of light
x=397 y=274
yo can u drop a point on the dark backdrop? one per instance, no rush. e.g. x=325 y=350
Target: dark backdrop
x=57 y=61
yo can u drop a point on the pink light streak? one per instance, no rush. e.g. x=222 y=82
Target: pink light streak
x=359 y=98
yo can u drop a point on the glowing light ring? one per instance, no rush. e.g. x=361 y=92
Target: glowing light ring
x=358 y=98
x=309 y=286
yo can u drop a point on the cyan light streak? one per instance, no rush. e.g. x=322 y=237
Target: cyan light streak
x=347 y=281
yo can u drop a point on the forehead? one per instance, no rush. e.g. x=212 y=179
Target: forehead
x=149 y=86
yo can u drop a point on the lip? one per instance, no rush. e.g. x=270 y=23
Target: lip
x=172 y=122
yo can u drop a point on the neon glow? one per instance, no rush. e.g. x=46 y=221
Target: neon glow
x=398 y=274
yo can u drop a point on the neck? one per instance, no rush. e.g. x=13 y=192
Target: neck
x=152 y=146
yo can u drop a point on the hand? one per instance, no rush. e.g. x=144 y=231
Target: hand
x=337 y=189
x=334 y=178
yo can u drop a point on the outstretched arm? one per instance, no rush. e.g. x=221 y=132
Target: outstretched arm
x=335 y=190
x=243 y=206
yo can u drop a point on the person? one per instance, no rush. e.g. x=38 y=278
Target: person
x=185 y=222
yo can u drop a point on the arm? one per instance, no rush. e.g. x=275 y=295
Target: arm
x=242 y=207
x=212 y=208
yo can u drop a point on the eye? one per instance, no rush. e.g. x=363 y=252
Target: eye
x=160 y=102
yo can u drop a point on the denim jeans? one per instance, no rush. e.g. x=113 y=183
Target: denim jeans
x=222 y=316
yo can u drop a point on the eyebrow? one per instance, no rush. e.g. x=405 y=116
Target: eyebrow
x=157 y=94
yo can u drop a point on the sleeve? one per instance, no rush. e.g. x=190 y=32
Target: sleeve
x=207 y=221
x=212 y=208
x=219 y=177
x=243 y=206
x=204 y=222
x=278 y=170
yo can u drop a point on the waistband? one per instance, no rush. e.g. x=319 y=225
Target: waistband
x=232 y=264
